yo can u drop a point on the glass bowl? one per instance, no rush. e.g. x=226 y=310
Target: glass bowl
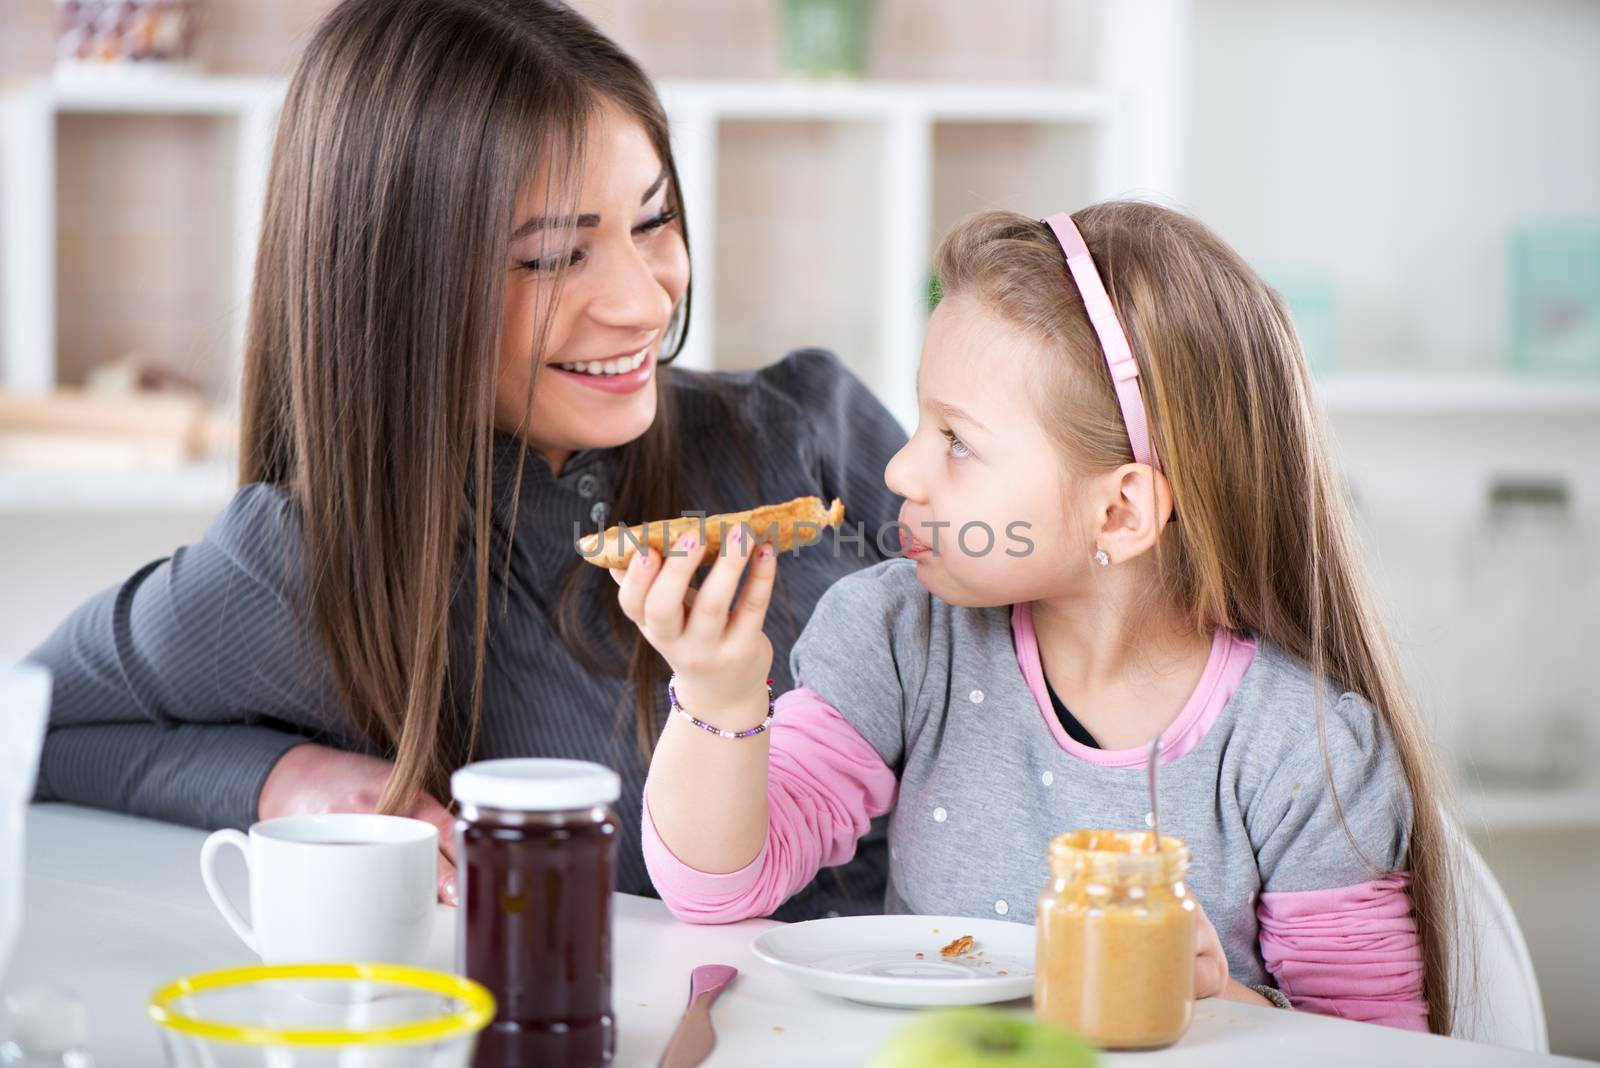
x=321 y=1016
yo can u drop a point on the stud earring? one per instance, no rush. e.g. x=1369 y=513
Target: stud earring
x=1102 y=558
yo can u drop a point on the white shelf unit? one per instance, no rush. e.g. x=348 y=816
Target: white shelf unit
x=28 y=181
x=902 y=118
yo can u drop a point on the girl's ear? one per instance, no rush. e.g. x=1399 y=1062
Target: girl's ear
x=1138 y=506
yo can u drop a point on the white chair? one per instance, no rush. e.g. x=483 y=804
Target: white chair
x=1496 y=992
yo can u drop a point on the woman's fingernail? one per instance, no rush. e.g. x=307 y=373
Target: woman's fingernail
x=766 y=552
x=736 y=536
x=450 y=891
x=688 y=542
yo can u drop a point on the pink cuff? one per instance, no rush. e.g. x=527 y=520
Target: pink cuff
x=825 y=784
x=1352 y=952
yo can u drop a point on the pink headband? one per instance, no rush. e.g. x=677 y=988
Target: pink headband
x=1119 y=356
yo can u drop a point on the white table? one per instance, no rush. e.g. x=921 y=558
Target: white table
x=115 y=908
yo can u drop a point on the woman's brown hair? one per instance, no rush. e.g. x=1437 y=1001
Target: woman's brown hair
x=1264 y=540
x=408 y=131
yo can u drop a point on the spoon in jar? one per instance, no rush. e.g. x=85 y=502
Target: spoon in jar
x=1153 y=758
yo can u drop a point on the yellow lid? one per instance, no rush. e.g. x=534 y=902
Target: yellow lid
x=477 y=1003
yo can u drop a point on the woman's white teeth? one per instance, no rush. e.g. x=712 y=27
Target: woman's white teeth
x=620 y=366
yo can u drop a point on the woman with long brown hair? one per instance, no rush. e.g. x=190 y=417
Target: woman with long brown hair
x=472 y=281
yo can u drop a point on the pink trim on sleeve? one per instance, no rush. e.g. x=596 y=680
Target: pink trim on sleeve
x=1352 y=951
x=1231 y=655
x=825 y=783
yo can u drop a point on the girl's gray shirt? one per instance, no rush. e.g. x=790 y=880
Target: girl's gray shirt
x=938 y=691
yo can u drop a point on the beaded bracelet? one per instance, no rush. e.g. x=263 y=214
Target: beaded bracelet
x=672 y=699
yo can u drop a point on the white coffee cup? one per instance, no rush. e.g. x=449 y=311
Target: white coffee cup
x=338 y=887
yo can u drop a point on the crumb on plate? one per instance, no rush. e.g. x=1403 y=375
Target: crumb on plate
x=957 y=947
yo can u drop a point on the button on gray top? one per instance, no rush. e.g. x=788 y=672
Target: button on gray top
x=597 y=514
x=587 y=484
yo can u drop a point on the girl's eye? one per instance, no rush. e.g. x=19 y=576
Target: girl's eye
x=958 y=448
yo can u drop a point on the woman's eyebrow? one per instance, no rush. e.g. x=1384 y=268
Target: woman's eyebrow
x=540 y=222
x=655 y=187
x=590 y=221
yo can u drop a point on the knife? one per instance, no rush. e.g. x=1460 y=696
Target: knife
x=694 y=1039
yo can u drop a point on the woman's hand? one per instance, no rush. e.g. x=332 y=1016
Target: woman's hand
x=311 y=779
x=718 y=648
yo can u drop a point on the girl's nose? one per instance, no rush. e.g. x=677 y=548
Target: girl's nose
x=901 y=474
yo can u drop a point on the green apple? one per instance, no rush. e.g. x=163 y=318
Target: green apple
x=983 y=1038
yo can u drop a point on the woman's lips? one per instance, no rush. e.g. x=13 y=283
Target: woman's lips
x=630 y=382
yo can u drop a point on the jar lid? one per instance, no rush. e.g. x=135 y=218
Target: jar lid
x=1119 y=856
x=535 y=785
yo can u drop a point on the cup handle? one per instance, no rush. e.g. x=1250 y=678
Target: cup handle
x=208 y=858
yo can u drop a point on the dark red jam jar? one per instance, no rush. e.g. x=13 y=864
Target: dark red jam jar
x=536 y=860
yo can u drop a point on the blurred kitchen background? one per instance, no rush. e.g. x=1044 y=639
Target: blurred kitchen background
x=1420 y=178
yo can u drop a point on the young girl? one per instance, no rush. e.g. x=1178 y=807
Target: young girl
x=1120 y=520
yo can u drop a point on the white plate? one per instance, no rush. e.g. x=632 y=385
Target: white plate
x=874 y=959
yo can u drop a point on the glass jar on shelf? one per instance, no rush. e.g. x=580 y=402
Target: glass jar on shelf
x=1528 y=626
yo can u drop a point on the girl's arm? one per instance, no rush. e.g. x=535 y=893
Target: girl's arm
x=825 y=785
x=708 y=794
x=1351 y=951
x=734 y=826
x=1336 y=926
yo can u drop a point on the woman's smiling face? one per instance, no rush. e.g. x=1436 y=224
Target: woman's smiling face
x=627 y=271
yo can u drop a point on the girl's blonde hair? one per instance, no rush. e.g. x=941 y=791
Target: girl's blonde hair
x=1264 y=540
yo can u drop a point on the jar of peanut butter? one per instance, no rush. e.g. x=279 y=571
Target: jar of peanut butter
x=1116 y=939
